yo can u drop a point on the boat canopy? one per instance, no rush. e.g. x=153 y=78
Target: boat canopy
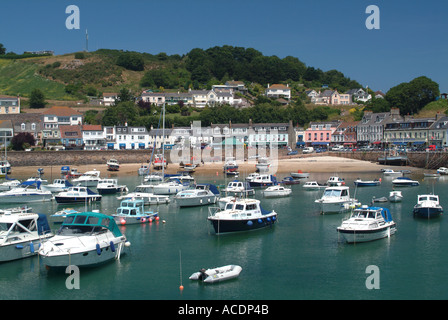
x=384 y=212
x=92 y=219
x=42 y=224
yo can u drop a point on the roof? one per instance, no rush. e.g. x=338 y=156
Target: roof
x=110 y=94
x=279 y=86
x=62 y=112
x=65 y=128
x=92 y=127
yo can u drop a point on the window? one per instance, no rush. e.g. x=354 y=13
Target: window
x=33 y=126
x=22 y=127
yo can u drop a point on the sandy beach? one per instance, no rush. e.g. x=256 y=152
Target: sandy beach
x=306 y=164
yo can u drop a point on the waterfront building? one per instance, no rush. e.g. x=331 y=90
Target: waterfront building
x=53 y=118
x=93 y=137
x=320 y=133
x=6 y=132
x=109 y=98
x=370 y=128
x=438 y=132
x=71 y=137
x=345 y=134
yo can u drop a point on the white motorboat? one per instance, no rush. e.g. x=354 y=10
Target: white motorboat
x=313 y=185
x=263 y=165
x=367 y=224
x=300 y=174
x=5 y=167
x=428 y=206
x=84 y=239
x=251 y=176
x=170 y=187
x=217 y=274
x=390 y=172
x=367 y=183
x=110 y=186
x=21 y=234
x=113 y=165
x=28 y=191
x=21 y=209
x=263 y=180
x=59 y=216
x=145 y=193
x=405 y=182
x=241 y=215
x=77 y=194
x=335 y=181
x=336 y=200
x=182 y=176
x=9 y=184
x=230 y=164
x=143 y=170
x=88 y=179
x=201 y=195
x=153 y=176
x=58 y=185
x=159 y=162
x=442 y=171
x=133 y=211
x=239 y=188
x=276 y=191
x=395 y=196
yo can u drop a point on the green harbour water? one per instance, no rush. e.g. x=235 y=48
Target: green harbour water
x=302 y=257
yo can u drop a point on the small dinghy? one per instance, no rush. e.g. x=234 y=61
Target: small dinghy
x=217 y=274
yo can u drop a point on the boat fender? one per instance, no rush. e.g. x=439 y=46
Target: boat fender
x=112 y=246
x=98 y=249
x=268 y=219
x=200 y=200
x=19 y=246
x=260 y=221
x=249 y=223
x=31 y=247
x=143 y=220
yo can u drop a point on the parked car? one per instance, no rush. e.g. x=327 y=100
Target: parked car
x=308 y=150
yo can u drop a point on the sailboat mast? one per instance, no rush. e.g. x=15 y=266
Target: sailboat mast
x=163 y=141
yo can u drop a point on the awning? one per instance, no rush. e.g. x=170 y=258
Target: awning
x=401 y=143
x=320 y=143
x=300 y=143
x=377 y=142
x=110 y=145
x=419 y=142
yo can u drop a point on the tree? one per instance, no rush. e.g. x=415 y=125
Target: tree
x=411 y=97
x=37 y=99
x=22 y=139
x=2 y=49
x=131 y=61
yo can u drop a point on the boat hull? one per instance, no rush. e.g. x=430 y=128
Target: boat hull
x=335 y=207
x=238 y=225
x=26 y=198
x=77 y=199
x=196 y=201
x=354 y=236
x=427 y=213
x=19 y=250
x=122 y=220
x=110 y=190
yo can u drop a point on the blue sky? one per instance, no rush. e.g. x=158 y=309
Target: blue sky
x=412 y=40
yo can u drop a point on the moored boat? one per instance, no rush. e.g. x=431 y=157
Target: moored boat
x=241 y=215
x=217 y=274
x=405 y=182
x=239 y=188
x=84 y=239
x=276 y=192
x=113 y=165
x=395 y=196
x=58 y=185
x=88 y=179
x=110 y=186
x=336 y=200
x=428 y=206
x=335 y=181
x=21 y=234
x=133 y=211
x=145 y=193
x=367 y=183
x=263 y=180
x=201 y=195
x=77 y=194
x=300 y=174
x=28 y=191
x=442 y=171
x=313 y=185
x=367 y=224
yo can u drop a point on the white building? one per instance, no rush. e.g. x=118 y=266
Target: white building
x=278 y=91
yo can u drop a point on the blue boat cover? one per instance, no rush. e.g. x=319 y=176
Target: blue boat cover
x=384 y=212
x=42 y=224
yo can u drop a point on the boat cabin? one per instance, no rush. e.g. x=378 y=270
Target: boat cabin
x=131 y=207
x=88 y=223
x=13 y=227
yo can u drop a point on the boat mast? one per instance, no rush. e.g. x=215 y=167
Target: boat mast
x=163 y=141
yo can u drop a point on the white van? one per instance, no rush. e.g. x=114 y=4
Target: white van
x=308 y=150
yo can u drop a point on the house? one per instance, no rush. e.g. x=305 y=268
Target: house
x=278 y=91
x=410 y=132
x=312 y=94
x=379 y=95
x=93 y=137
x=172 y=98
x=272 y=134
x=199 y=97
x=320 y=133
x=9 y=105
x=438 y=132
x=25 y=122
x=109 y=98
x=371 y=127
x=71 y=137
x=156 y=98
x=359 y=95
x=345 y=133
x=220 y=96
x=125 y=137
x=6 y=132
x=55 y=117
x=233 y=85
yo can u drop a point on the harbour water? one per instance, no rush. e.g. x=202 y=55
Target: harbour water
x=301 y=257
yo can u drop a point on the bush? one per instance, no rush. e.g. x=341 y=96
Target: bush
x=131 y=61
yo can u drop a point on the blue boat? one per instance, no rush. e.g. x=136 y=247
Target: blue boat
x=132 y=211
x=263 y=180
x=427 y=206
x=367 y=183
x=405 y=182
